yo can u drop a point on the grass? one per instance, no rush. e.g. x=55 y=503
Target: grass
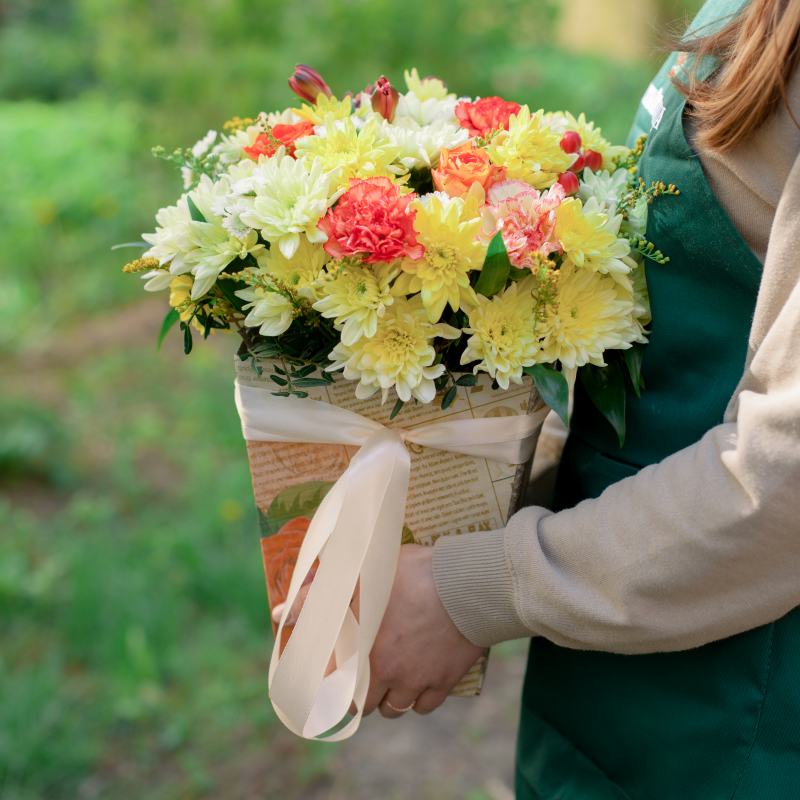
x=135 y=626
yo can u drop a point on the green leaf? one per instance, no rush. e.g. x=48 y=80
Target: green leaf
x=305 y=382
x=279 y=381
x=226 y=287
x=396 y=410
x=194 y=211
x=606 y=388
x=496 y=268
x=281 y=394
x=518 y=274
x=187 y=339
x=449 y=397
x=552 y=387
x=300 y=394
x=207 y=326
x=408 y=536
x=305 y=371
x=467 y=380
x=633 y=359
x=172 y=317
x=279 y=370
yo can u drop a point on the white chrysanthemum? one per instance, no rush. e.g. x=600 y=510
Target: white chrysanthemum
x=400 y=354
x=426 y=112
x=606 y=187
x=171 y=225
x=201 y=147
x=589 y=237
x=503 y=338
x=592 y=314
x=207 y=247
x=356 y=299
x=157 y=279
x=289 y=201
x=270 y=311
x=420 y=147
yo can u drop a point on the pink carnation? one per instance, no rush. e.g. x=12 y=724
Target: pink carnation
x=527 y=219
x=374 y=220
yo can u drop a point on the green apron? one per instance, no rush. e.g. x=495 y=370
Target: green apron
x=720 y=722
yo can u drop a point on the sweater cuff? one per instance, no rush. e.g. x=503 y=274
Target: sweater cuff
x=476 y=586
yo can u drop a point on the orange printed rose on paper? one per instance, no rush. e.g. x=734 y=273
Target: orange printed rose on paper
x=459 y=169
x=486 y=114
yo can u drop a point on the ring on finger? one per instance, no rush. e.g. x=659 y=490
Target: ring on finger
x=401 y=710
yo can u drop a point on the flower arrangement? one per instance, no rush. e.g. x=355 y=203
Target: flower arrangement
x=412 y=240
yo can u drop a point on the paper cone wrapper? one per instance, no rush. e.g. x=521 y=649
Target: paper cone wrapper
x=449 y=493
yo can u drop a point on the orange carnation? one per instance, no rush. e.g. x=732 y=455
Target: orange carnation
x=285 y=135
x=460 y=168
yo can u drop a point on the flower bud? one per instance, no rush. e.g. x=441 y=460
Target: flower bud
x=571 y=142
x=307 y=83
x=592 y=160
x=578 y=164
x=385 y=99
x=569 y=182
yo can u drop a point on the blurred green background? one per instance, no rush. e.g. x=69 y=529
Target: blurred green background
x=134 y=633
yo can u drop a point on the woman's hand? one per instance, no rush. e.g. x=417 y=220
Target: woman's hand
x=419 y=654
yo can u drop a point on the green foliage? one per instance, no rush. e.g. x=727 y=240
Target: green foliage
x=496 y=268
x=606 y=389
x=552 y=387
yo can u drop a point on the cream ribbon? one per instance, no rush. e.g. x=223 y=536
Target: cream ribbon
x=356 y=533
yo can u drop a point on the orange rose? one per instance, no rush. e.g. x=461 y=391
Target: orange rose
x=460 y=168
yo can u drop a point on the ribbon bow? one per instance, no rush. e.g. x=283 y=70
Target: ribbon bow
x=356 y=533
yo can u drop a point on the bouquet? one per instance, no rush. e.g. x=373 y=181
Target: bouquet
x=398 y=251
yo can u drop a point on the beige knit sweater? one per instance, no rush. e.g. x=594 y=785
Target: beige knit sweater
x=705 y=544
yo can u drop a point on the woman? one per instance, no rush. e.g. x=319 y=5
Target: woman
x=664 y=595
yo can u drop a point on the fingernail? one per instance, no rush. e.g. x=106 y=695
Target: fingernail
x=276 y=613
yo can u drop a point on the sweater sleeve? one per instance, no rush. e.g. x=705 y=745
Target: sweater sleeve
x=704 y=545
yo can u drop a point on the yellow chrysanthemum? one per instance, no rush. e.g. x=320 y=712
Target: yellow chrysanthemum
x=425 y=88
x=451 y=252
x=356 y=299
x=301 y=271
x=503 y=337
x=346 y=152
x=589 y=237
x=340 y=109
x=591 y=137
x=530 y=150
x=400 y=354
x=592 y=314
